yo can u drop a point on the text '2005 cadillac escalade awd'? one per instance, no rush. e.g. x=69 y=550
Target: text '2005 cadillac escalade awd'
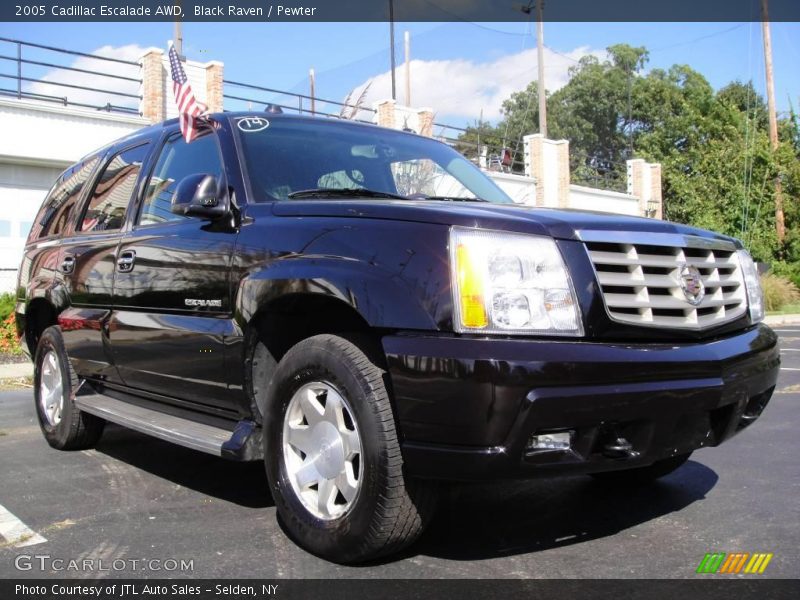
x=368 y=313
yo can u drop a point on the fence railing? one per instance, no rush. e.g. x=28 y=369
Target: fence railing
x=21 y=71
x=487 y=149
x=294 y=102
x=27 y=72
x=595 y=172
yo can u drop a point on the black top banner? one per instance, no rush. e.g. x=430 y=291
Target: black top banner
x=254 y=11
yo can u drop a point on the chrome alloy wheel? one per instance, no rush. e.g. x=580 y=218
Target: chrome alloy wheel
x=322 y=450
x=51 y=389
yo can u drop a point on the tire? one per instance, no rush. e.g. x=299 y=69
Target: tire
x=64 y=426
x=383 y=511
x=644 y=475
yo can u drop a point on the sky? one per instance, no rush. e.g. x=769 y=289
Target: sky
x=460 y=70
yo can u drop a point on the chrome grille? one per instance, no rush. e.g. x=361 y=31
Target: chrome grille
x=641 y=279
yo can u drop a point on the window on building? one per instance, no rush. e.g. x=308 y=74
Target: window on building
x=5 y=228
x=113 y=191
x=177 y=161
x=24 y=228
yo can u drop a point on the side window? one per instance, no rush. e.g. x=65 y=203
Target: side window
x=178 y=160
x=112 y=192
x=57 y=209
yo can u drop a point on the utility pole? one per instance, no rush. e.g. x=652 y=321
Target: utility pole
x=540 y=60
x=527 y=9
x=407 y=40
x=780 y=226
x=391 y=49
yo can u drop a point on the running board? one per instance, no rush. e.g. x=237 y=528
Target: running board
x=241 y=443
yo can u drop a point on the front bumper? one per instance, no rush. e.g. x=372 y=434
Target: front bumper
x=467 y=407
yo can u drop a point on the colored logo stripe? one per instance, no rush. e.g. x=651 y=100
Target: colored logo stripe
x=720 y=562
x=758 y=563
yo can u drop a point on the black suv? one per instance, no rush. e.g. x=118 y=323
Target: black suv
x=368 y=313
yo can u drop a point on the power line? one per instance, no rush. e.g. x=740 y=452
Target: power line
x=699 y=39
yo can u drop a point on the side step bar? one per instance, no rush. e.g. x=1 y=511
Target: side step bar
x=184 y=432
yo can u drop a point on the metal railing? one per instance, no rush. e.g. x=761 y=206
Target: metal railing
x=591 y=171
x=488 y=150
x=23 y=79
x=299 y=103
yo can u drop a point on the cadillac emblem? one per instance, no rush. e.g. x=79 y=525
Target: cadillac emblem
x=692 y=284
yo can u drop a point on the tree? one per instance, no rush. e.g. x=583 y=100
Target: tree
x=717 y=166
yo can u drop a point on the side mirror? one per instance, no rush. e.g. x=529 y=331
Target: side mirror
x=201 y=195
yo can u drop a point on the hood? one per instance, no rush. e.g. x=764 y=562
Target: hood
x=560 y=224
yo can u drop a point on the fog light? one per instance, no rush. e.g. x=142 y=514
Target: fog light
x=550 y=441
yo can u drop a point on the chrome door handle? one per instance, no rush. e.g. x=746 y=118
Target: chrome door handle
x=67 y=264
x=125 y=261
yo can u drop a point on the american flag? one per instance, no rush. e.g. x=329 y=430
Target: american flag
x=189 y=109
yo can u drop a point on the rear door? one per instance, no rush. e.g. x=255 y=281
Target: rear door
x=88 y=258
x=172 y=287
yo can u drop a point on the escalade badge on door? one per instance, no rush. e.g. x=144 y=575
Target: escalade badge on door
x=692 y=284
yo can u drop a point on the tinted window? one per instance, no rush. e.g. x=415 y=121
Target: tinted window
x=113 y=190
x=178 y=160
x=286 y=155
x=57 y=209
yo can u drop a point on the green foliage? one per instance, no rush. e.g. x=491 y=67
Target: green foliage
x=790 y=271
x=718 y=169
x=7 y=304
x=778 y=292
x=9 y=344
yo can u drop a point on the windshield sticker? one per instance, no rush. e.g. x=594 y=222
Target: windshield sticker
x=252 y=124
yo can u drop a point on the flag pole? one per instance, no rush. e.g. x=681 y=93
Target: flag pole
x=178 y=33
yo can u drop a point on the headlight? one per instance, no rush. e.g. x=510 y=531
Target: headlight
x=511 y=283
x=755 y=297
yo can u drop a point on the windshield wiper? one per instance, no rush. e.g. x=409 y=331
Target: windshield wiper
x=343 y=193
x=455 y=198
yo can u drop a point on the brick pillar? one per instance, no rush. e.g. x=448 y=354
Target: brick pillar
x=152 y=71
x=636 y=185
x=214 y=86
x=534 y=164
x=547 y=161
x=425 y=116
x=656 y=198
x=562 y=152
x=385 y=113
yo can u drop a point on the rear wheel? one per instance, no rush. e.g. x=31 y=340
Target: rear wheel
x=64 y=426
x=644 y=475
x=333 y=458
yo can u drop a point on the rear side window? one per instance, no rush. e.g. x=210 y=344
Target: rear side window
x=177 y=161
x=113 y=191
x=56 y=212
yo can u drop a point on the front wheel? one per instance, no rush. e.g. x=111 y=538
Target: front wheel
x=64 y=426
x=333 y=458
x=644 y=475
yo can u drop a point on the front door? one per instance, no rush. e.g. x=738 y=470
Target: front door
x=87 y=262
x=172 y=289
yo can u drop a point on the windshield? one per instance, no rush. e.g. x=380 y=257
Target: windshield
x=293 y=159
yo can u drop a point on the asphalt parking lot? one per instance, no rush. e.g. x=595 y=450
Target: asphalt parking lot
x=134 y=499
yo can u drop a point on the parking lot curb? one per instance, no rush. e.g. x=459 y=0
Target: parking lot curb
x=16 y=370
x=782 y=320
